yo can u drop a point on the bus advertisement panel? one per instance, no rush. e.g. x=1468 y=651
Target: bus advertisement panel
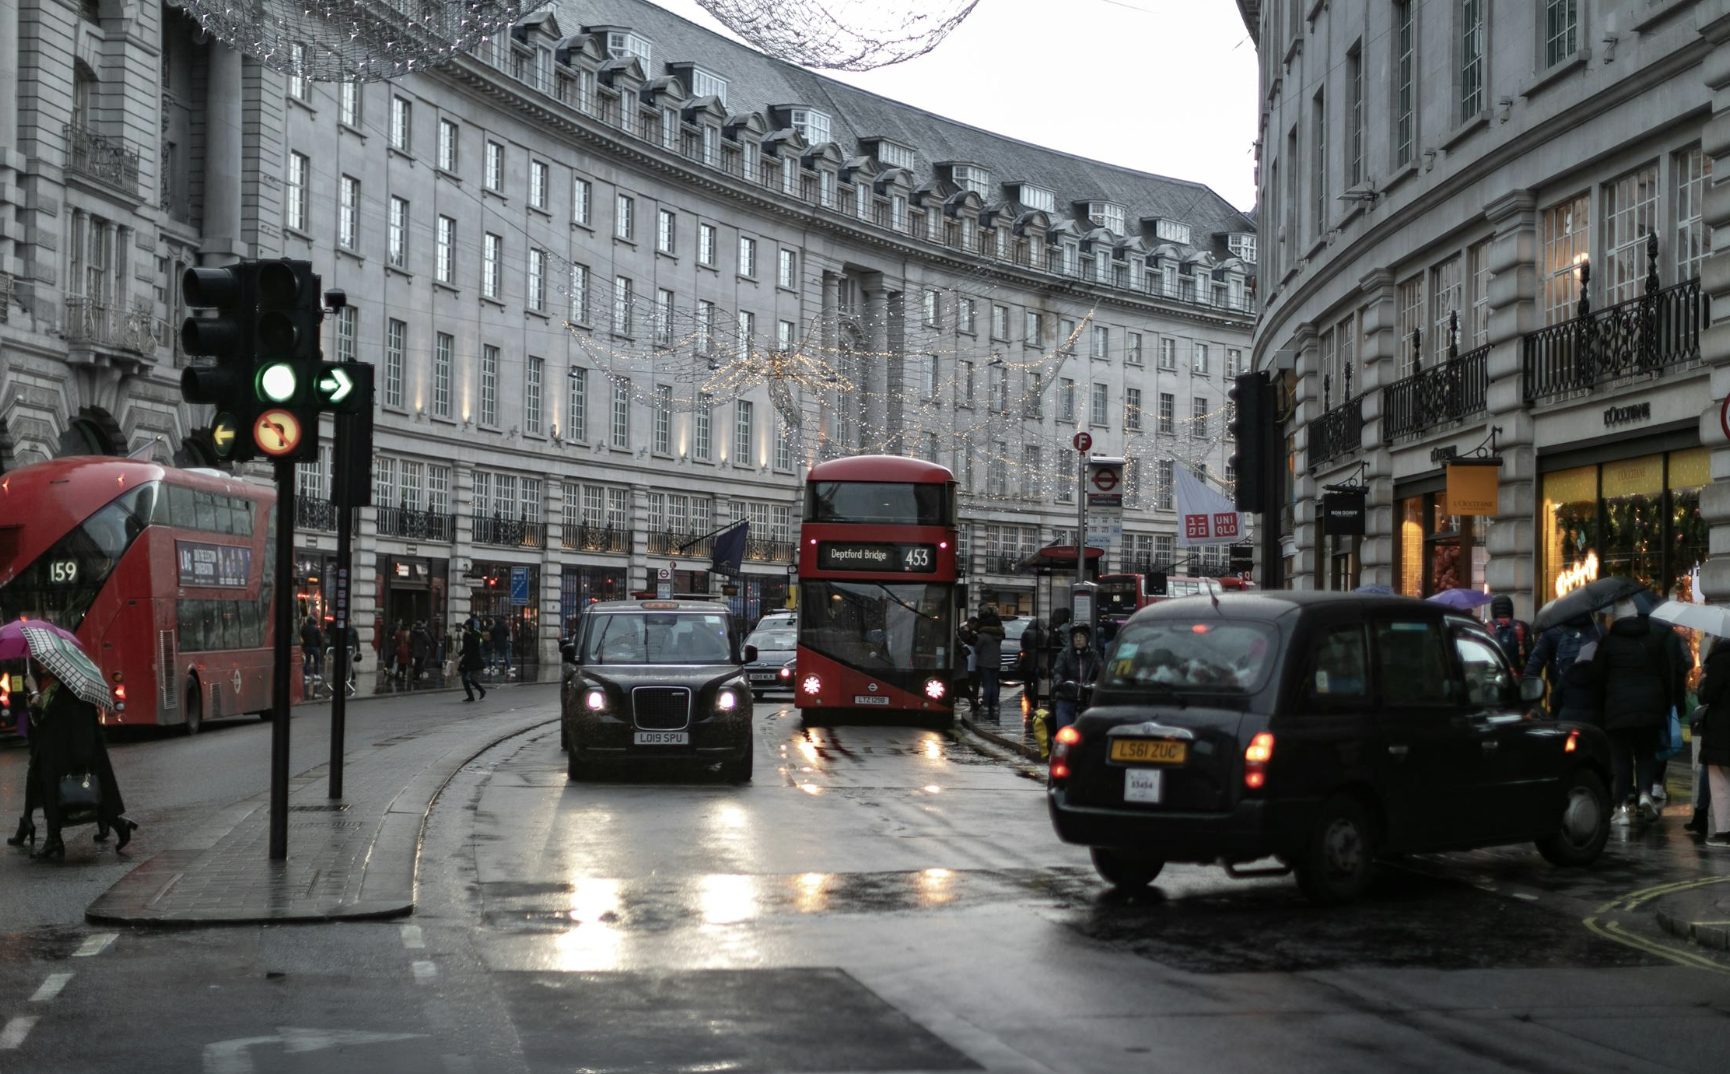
x=164 y=575
x=877 y=587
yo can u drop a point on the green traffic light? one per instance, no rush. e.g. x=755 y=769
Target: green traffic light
x=278 y=382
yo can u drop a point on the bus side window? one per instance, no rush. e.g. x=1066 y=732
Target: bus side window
x=187 y=627
x=180 y=513
x=204 y=504
x=251 y=630
x=230 y=611
x=243 y=517
x=224 y=515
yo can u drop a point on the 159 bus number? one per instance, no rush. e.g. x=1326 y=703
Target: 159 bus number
x=63 y=571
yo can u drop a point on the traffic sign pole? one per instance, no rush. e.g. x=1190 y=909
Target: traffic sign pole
x=1082 y=443
x=282 y=646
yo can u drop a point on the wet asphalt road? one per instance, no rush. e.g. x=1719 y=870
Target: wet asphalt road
x=880 y=899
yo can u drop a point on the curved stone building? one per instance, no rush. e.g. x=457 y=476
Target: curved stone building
x=622 y=280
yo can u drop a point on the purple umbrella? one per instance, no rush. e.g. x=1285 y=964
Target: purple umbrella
x=1461 y=600
x=13 y=646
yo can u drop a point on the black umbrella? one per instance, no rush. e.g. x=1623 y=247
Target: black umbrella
x=1586 y=600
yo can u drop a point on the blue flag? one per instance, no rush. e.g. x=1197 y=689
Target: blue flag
x=730 y=549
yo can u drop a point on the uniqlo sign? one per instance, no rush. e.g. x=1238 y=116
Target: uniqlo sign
x=1195 y=526
x=1225 y=524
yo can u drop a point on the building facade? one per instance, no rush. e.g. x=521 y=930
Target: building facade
x=1487 y=233
x=622 y=280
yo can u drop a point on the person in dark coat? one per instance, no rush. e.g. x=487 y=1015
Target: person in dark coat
x=68 y=738
x=471 y=661
x=32 y=789
x=968 y=638
x=1557 y=650
x=1635 y=672
x=1077 y=667
x=988 y=656
x=1032 y=641
x=420 y=645
x=502 y=645
x=1573 y=695
x=311 y=647
x=1714 y=734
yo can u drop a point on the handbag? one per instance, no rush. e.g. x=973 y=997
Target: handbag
x=1670 y=736
x=80 y=794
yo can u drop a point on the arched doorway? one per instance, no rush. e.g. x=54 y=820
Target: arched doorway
x=93 y=432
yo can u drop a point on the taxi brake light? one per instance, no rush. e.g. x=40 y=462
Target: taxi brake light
x=1061 y=743
x=1255 y=759
x=1573 y=742
x=1068 y=735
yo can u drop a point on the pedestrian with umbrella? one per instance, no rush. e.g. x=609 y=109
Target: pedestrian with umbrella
x=74 y=778
x=1638 y=675
x=1712 y=621
x=14 y=646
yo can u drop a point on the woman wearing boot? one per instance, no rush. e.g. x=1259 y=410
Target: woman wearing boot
x=68 y=738
x=32 y=792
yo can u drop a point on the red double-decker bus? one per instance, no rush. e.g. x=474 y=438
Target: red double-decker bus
x=877 y=587
x=163 y=574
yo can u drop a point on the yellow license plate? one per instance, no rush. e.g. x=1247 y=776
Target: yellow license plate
x=1149 y=750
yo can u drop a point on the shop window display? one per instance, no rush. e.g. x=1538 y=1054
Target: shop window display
x=1439 y=551
x=1637 y=517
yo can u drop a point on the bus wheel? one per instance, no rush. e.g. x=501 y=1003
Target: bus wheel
x=194 y=705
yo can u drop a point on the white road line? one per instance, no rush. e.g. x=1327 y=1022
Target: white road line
x=51 y=987
x=425 y=971
x=95 y=945
x=15 y=1032
x=411 y=937
x=1526 y=895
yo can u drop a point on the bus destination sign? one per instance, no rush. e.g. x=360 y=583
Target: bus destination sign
x=858 y=556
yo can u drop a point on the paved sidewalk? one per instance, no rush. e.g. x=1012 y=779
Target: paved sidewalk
x=1698 y=911
x=350 y=859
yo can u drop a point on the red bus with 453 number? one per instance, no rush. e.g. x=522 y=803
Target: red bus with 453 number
x=877 y=587
x=163 y=574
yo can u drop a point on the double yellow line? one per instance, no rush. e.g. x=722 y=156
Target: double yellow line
x=1612 y=930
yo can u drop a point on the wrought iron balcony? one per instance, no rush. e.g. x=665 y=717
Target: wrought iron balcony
x=762 y=551
x=106 y=324
x=681 y=544
x=314 y=514
x=1640 y=336
x=107 y=160
x=586 y=538
x=1450 y=391
x=8 y=287
x=1337 y=432
x=509 y=532
x=416 y=525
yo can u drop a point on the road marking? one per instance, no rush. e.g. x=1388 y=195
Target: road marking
x=233 y=1056
x=95 y=945
x=15 y=1032
x=425 y=971
x=51 y=987
x=411 y=937
x=1611 y=930
x=1526 y=895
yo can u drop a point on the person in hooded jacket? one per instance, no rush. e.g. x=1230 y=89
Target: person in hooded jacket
x=420 y=644
x=1557 y=651
x=1513 y=635
x=1635 y=672
x=1077 y=667
x=471 y=661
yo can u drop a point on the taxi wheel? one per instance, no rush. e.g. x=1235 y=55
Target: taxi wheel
x=1584 y=824
x=575 y=770
x=1126 y=873
x=1338 y=858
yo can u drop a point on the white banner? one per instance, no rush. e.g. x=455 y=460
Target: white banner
x=1204 y=517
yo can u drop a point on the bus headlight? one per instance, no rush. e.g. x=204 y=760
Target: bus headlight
x=813 y=685
x=595 y=700
x=934 y=689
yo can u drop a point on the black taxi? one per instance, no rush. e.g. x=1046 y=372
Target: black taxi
x=656 y=680
x=1321 y=730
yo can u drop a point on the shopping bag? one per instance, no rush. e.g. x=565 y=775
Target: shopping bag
x=1670 y=736
x=80 y=794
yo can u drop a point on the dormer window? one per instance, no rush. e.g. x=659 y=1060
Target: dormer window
x=622 y=43
x=1037 y=197
x=891 y=155
x=811 y=124
x=1242 y=246
x=1171 y=231
x=708 y=84
x=1106 y=215
x=971 y=177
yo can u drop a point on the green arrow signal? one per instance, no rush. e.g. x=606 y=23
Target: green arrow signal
x=336 y=385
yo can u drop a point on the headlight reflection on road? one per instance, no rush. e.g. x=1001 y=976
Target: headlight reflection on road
x=813 y=893
x=595 y=938
x=935 y=886
x=934 y=748
x=728 y=899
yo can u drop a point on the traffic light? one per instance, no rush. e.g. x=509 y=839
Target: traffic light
x=288 y=363
x=1249 y=427
x=228 y=338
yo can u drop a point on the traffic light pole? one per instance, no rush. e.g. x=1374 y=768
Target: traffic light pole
x=1081 y=518
x=283 y=659
x=339 y=649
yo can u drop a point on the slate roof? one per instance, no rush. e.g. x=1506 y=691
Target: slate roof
x=756 y=81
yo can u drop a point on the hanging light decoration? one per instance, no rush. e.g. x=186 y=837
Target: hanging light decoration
x=842 y=35
x=355 y=40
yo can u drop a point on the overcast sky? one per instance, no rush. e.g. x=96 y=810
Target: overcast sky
x=1166 y=86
